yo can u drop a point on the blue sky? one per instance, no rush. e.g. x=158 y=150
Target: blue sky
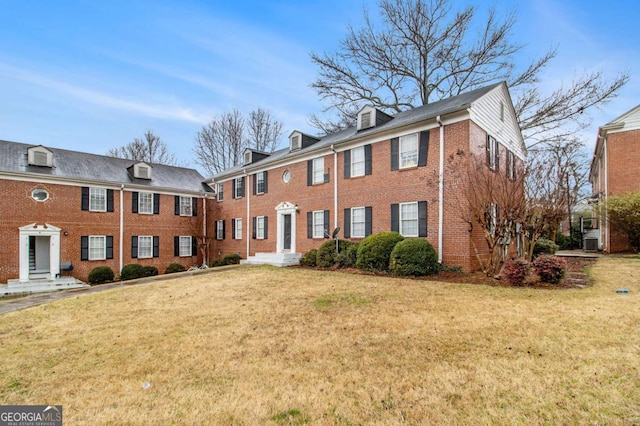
x=93 y=75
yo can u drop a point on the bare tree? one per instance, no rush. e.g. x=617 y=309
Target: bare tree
x=424 y=50
x=263 y=130
x=149 y=149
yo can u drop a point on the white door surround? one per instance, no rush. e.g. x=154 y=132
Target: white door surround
x=35 y=230
x=283 y=209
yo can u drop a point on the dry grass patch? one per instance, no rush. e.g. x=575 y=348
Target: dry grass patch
x=294 y=346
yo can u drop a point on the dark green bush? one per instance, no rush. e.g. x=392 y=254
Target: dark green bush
x=563 y=241
x=326 y=256
x=149 y=271
x=215 y=263
x=131 y=272
x=231 y=259
x=374 y=252
x=549 y=268
x=347 y=258
x=174 y=267
x=101 y=274
x=414 y=256
x=544 y=246
x=515 y=271
x=309 y=258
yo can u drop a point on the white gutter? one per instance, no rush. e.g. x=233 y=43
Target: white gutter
x=204 y=226
x=335 y=188
x=441 y=192
x=120 y=248
x=247 y=226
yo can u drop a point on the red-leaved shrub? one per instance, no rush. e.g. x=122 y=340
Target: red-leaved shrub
x=515 y=271
x=550 y=268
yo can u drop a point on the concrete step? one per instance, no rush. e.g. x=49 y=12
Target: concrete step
x=275 y=259
x=40 y=285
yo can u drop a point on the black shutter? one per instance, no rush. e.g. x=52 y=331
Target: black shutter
x=156 y=203
x=156 y=246
x=85 y=198
x=266 y=228
x=176 y=206
x=309 y=224
x=220 y=195
x=134 y=202
x=326 y=178
x=194 y=246
x=395 y=162
x=367 y=160
x=423 y=149
x=347 y=164
x=488 y=149
x=233 y=188
x=242 y=186
x=233 y=229
x=109 y=246
x=422 y=218
x=497 y=156
x=224 y=229
x=194 y=206
x=368 y=228
x=109 y=200
x=395 y=217
x=326 y=224
x=176 y=246
x=255 y=223
x=134 y=247
x=347 y=223
x=265 y=182
x=255 y=183
x=84 y=247
x=309 y=172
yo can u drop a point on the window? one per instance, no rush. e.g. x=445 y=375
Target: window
x=97 y=199
x=261 y=182
x=247 y=157
x=40 y=194
x=97 y=247
x=286 y=176
x=143 y=172
x=357 y=161
x=260 y=234
x=493 y=154
x=220 y=191
x=358 y=222
x=408 y=151
x=237 y=229
x=40 y=156
x=238 y=188
x=295 y=142
x=145 y=202
x=409 y=219
x=186 y=208
x=145 y=247
x=511 y=165
x=318 y=224
x=318 y=170
x=365 y=120
x=220 y=230
x=185 y=246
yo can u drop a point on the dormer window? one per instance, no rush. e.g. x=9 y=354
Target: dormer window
x=247 y=156
x=40 y=156
x=366 y=118
x=142 y=171
x=295 y=142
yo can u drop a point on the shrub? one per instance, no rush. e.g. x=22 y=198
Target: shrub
x=215 y=263
x=563 y=241
x=515 y=271
x=414 y=256
x=149 y=271
x=231 y=259
x=550 y=268
x=174 y=267
x=326 y=256
x=374 y=252
x=347 y=258
x=309 y=258
x=131 y=272
x=544 y=246
x=101 y=274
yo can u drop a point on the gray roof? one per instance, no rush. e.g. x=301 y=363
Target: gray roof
x=426 y=112
x=84 y=167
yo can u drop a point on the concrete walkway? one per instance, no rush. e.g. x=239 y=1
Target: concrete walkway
x=17 y=304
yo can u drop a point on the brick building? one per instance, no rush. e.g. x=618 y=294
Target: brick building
x=381 y=175
x=614 y=171
x=59 y=206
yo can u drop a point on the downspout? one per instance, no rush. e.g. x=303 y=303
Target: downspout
x=335 y=187
x=247 y=226
x=441 y=192
x=606 y=190
x=204 y=229
x=120 y=245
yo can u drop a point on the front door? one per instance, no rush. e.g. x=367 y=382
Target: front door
x=287 y=232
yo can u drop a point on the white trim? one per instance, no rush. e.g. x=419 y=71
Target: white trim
x=417 y=219
x=45 y=230
x=282 y=209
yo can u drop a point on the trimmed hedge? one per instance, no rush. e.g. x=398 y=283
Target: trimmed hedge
x=101 y=274
x=544 y=246
x=374 y=252
x=231 y=259
x=326 y=255
x=550 y=268
x=414 y=257
x=309 y=258
x=347 y=258
x=515 y=271
x=174 y=267
x=131 y=272
x=149 y=271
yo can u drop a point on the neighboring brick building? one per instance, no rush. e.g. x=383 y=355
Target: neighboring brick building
x=58 y=205
x=381 y=175
x=615 y=171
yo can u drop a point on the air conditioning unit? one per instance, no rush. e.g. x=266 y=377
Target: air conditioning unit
x=590 y=244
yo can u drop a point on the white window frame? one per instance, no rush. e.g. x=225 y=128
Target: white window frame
x=238 y=230
x=408 y=222
x=186 y=206
x=148 y=244
x=219 y=229
x=238 y=183
x=318 y=224
x=358 y=222
x=318 y=170
x=184 y=246
x=357 y=161
x=260 y=227
x=295 y=142
x=97 y=250
x=220 y=191
x=148 y=203
x=260 y=180
x=408 y=151
x=98 y=199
